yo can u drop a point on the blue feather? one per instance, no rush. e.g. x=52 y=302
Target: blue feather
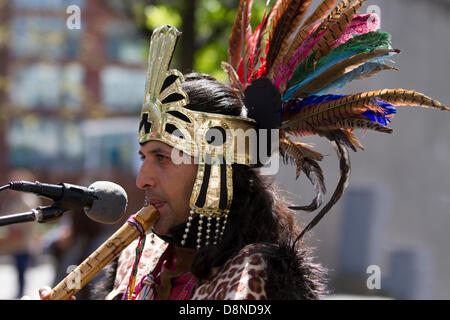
x=375 y=116
x=331 y=62
x=313 y=100
x=334 y=60
x=362 y=70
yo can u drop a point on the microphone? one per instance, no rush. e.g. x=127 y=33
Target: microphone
x=102 y=201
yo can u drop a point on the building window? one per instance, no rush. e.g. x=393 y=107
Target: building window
x=122 y=89
x=47 y=86
x=43 y=37
x=123 y=43
x=46 y=4
x=45 y=143
x=111 y=144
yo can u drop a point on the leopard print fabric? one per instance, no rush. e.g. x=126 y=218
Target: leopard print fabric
x=242 y=277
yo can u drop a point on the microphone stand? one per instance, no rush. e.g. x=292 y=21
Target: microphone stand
x=40 y=214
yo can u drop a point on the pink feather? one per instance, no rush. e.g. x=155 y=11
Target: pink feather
x=360 y=24
x=284 y=72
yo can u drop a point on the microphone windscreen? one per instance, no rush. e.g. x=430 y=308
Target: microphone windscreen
x=110 y=204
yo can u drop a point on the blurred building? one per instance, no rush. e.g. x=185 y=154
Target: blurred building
x=61 y=75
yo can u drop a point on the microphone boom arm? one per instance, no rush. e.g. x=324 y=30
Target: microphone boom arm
x=40 y=214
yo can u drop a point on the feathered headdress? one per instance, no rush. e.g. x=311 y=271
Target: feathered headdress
x=306 y=60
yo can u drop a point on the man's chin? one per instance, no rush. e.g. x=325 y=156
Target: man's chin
x=160 y=231
x=161 y=227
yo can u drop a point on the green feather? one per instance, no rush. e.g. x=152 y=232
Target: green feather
x=361 y=43
x=304 y=68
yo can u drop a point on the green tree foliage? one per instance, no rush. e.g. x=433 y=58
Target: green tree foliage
x=206 y=27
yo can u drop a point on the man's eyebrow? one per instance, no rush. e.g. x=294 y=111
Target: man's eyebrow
x=153 y=151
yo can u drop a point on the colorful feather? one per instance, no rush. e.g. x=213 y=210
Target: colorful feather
x=258 y=46
x=306 y=72
x=360 y=24
x=305 y=31
x=335 y=28
x=379 y=103
x=362 y=43
x=344 y=166
x=368 y=69
x=357 y=123
x=309 y=69
x=343 y=136
x=335 y=75
x=314 y=174
x=285 y=30
x=401 y=97
x=297 y=151
x=326 y=113
x=291 y=152
x=383 y=115
x=233 y=77
x=284 y=71
x=334 y=15
x=295 y=107
x=305 y=160
x=239 y=45
x=321 y=12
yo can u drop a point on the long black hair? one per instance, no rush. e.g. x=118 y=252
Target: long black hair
x=258 y=212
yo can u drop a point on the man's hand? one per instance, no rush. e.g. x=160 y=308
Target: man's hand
x=44 y=294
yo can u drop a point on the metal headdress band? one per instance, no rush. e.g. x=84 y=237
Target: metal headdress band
x=164 y=118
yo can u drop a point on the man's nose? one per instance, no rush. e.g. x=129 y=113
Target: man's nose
x=145 y=178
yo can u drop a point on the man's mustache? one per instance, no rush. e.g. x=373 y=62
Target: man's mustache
x=151 y=197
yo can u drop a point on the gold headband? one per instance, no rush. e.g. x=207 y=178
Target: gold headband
x=164 y=118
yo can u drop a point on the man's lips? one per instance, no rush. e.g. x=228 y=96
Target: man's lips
x=157 y=204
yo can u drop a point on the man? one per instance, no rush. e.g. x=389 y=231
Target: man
x=255 y=257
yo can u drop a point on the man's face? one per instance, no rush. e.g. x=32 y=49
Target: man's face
x=168 y=186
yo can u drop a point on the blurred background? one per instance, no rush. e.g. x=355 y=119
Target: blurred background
x=70 y=97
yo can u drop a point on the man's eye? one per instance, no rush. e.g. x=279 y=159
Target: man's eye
x=161 y=157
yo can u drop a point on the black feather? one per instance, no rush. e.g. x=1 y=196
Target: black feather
x=263 y=101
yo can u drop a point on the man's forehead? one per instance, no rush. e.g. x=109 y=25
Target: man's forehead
x=155 y=146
